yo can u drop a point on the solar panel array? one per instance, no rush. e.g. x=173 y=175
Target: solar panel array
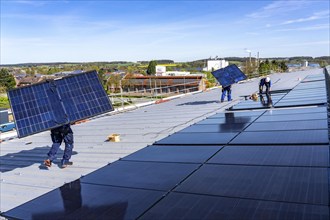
x=229 y=75
x=54 y=103
x=311 y=91
x=257 y=164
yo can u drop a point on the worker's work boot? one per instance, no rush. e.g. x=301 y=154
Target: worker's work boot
x=65 y=164
x=48 y=163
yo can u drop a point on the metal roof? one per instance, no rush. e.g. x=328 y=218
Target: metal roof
x=23 y=179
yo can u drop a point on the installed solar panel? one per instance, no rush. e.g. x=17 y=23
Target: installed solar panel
x=229 y=75
x=205 y=138
x=77 y=200
x=284 y=184
x=191 y=206
x=237 y=114
x=296 y=111
x=296 y=155
x=54 y=103
x=216 y=128
x=143 y=175
x=288 y=125
x=283 y=137
x=179 y=154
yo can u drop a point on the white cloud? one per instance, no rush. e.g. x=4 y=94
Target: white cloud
x=307 y=28
x=315 y=16
x=278 y=8
x=311 y=43
x=33 y=3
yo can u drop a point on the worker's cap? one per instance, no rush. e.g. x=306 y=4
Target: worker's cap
x=267 y=79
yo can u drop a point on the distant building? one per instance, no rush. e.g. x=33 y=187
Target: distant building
x=316 y=65
x=176 y=73
x=305 y=63
x=29 y=80
x=213 y=65
x=67 y=73
x=160 y=70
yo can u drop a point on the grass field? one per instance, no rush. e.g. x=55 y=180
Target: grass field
x=4 y=102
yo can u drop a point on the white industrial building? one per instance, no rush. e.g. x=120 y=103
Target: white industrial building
x=215 y=65
x=161 y=71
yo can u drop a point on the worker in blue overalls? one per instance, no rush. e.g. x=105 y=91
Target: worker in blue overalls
x=59 y=134
x=265 y=82
x=226 y=90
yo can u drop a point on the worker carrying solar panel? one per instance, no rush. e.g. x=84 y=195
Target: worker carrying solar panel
x=58 y=135
x=265 y=82
x=226 y=77
x=226 y=90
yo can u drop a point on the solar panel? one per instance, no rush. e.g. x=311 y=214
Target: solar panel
x=205 y=138
x=53 y=103
x=283 y=155
x=283 y=184
x=77 y=200
x=283 y=137
x=229 y=75
x=142 y=175
x=197 y=206
x=179 y=154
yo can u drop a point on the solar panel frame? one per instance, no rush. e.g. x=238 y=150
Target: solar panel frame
x=50 y=104
x=229 y=75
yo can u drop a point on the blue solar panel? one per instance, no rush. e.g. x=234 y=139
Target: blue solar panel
x=83 y=96
x=53 y=103
x=229 y=75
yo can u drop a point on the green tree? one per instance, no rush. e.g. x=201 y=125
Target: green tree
x=264 y=68
x=283 y=66
x=152 y=67
x=114 y=82
x=6 y=79
x=101 y=73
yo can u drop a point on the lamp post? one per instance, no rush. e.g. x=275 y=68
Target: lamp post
x=248 y=67
x=249 y=51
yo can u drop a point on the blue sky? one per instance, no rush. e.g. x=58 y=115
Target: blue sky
x=86 y=31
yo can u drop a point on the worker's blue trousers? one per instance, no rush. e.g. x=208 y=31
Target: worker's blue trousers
x=224 y=91
x=57 y=141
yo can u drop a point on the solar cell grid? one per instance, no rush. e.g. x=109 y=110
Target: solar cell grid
x=229 y=75
x=54 y=103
